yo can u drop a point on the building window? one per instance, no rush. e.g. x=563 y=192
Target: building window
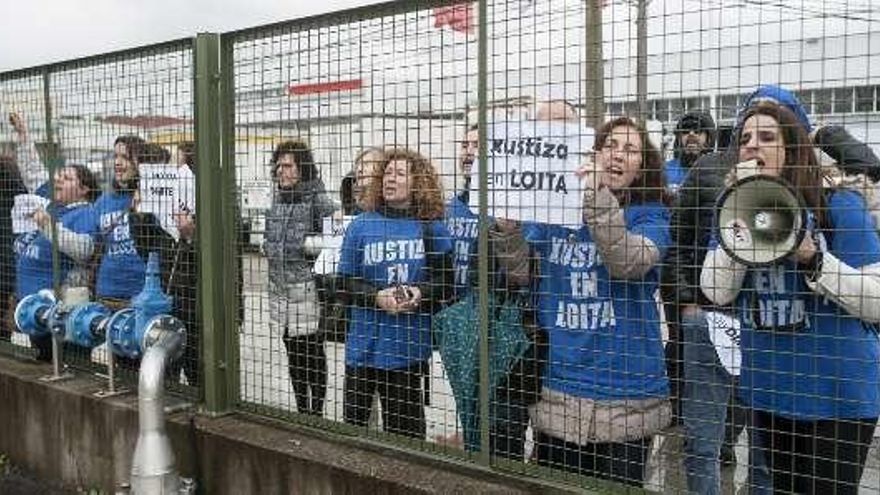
x=676 y=108
x=822 y=101
x=865 y=98
x=728 y=106
x=843 y=100
x=615 y=109
x=663 y=110
x=692 y=104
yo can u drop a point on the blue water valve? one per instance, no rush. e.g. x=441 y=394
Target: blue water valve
x=121 y=337
x=85 y=324
x=33 y=314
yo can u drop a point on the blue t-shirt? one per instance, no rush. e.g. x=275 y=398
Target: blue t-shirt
x=804 y=357
x=675 y=175
x=605 y=341
x=463 y=225
x=34 y=250
x=121 y=272
x=387 y=252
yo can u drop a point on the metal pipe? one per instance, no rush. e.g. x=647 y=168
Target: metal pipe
x=153 y=466
x=56 y=355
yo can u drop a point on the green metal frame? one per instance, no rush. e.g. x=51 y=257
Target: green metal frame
x=214 y=235
x=219 y=251
x=483 y=241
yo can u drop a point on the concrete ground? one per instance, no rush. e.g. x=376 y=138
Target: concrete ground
x=265 y=381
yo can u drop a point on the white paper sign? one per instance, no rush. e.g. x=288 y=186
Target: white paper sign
x=333 y=234
x=724 y=332
x=257 y=194
x=23 y=210
x=531 y=171
x=166 y=190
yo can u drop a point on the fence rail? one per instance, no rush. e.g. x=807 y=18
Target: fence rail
x=410 y=229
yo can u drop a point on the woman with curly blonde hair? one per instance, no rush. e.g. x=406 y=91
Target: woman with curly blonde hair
x=427 y=193
x=395 y=269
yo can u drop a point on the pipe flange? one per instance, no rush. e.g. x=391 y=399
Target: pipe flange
x=23 y=310
x=164 y=328
x=80 y=319
x=117 y=333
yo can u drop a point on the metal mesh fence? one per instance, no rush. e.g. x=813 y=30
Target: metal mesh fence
x=78 y=134
x=632 y=241
x=335 y=95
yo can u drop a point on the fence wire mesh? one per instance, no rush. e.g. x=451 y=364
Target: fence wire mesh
x=91 y=143
x=671 y=283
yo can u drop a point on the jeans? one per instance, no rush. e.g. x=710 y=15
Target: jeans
x=705 y=397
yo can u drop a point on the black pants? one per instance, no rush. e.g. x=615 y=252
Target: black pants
x=7 y=314
x=307 y=363
x=815 y=457
x=507 y=434
x=510 y=410
x=400 y=393
x=622 y=462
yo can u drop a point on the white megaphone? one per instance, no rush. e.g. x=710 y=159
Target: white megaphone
x=771 y=212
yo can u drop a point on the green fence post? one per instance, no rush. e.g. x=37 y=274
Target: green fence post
x=214 y=240
x=51 y=160
x=483 y=245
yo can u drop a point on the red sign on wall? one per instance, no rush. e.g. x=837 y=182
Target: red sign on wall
x=325 y=87
x=458 y=17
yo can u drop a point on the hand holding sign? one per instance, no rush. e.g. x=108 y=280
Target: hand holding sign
x=166 y=191
x=590 y=175
x=23 y=211
x=532 y=167
x=41 y=218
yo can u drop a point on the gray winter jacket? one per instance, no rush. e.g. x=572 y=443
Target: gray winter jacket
x=294 y=215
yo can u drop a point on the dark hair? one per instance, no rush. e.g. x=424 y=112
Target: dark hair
x=650 y=185
x=346 y=194
x=132 y=143
x=87 y=180
x=801 y=168
x=699 y=121
x=152 y=153
x=302 y=155
x=188 y=148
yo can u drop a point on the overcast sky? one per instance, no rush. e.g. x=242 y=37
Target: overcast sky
x=34 y=32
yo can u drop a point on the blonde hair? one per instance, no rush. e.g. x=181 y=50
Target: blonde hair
x=366 y=199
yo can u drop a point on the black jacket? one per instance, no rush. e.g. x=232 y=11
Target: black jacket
x=693 y=217
x=10 y=186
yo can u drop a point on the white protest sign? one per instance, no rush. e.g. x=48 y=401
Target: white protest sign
x=23 y=209
x=331 y=242
x=532 y=168
x=165 y=191
x=724 y=332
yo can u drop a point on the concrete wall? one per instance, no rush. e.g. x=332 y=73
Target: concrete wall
x=60 y=432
